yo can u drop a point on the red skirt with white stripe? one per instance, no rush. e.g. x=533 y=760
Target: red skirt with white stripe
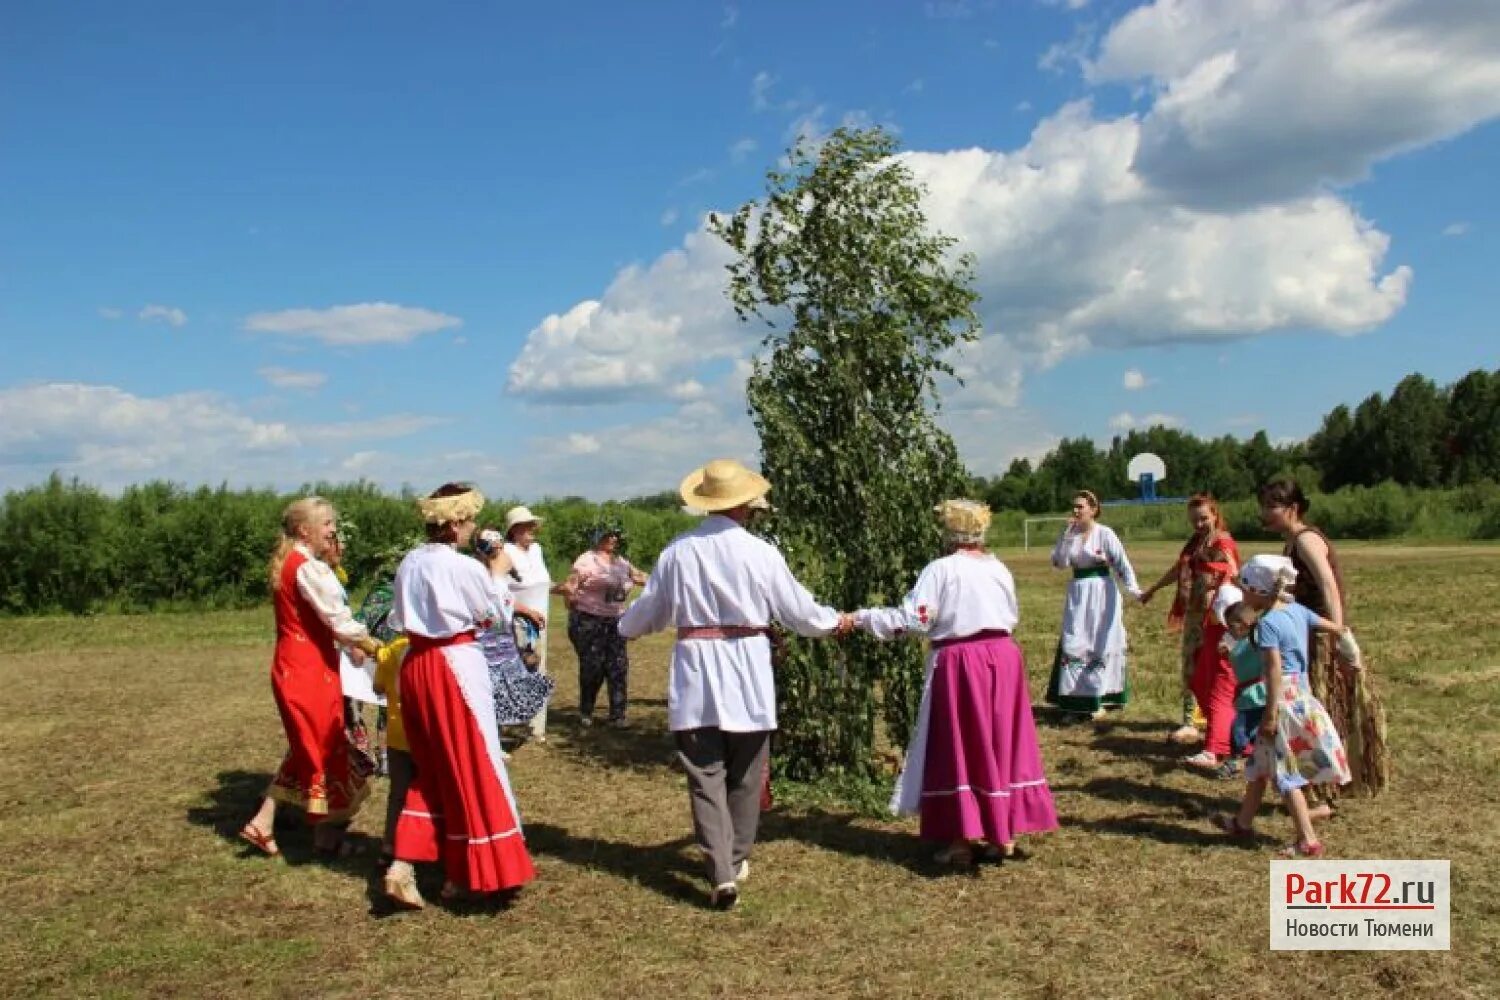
x=459 y=809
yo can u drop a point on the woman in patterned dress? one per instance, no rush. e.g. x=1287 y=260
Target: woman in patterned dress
x=520 y=694
x=1208 y=560
x=596 y=591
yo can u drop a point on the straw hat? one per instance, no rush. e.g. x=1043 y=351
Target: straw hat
x=722 y=484
x=519 y=515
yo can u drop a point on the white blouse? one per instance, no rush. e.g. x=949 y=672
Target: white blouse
x=535 y=585
x=955 y=596
x=1099 y=546
x=316 y=582
x=440 y=593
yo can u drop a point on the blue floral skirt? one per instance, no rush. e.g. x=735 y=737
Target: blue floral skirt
x=519 y=693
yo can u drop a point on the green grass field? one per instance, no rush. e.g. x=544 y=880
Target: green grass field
x=135 y=747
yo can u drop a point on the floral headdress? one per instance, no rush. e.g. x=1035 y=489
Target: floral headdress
x=449 y=510
x=964 y=521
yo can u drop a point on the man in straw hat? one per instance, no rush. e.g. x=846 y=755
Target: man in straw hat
x=721 y=587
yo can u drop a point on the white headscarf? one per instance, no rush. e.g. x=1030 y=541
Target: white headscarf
x=1268 y=574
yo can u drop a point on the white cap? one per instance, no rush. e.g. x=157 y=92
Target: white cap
x=519 y=515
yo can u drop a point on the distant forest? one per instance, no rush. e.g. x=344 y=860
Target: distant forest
x=1421 y=435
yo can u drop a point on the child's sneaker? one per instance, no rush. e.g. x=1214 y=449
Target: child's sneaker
x=1229 y=769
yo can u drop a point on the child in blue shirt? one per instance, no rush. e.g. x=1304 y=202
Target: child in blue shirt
x=1296 y=743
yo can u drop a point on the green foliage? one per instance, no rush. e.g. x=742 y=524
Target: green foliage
x=65 y=546
x=862 y=305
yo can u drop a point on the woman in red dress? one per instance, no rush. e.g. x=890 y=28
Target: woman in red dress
x=312 y=621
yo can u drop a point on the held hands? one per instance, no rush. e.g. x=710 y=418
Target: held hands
x=1143 y=597
x=1268 y=725
x=845 y=625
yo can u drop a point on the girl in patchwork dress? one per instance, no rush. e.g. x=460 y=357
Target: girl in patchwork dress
x=1088 y=672
x=1298 y=745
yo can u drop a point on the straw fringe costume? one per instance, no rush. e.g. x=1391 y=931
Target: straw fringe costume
x=1348 y=696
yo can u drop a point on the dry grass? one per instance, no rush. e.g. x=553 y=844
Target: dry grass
x=135 y=747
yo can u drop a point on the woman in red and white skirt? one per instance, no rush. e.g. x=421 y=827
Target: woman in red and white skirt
x=312 y=621
x=973 y=769
x=460 y=808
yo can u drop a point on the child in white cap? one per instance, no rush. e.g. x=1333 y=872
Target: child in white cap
x=1296 y=744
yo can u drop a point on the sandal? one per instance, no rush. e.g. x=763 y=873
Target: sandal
x=263 y=842
x=1230 y=824
x=1203 y=761
x=1302 y=849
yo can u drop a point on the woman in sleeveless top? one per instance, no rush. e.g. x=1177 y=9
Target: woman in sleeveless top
x=1348 y=695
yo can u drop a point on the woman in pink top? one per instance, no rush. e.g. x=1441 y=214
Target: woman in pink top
x=596 y=591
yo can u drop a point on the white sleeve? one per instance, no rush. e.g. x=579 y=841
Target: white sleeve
x=1062 y=551
x=316 y=582
x=481 y=594
x=794 y=607
x=1114 y=552
x=914 y=615
x=651 y=612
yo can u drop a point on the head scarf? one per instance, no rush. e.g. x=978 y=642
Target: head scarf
x=964 y=521
x=488 y=542
x=1268 y=575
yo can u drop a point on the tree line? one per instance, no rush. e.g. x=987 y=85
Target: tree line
x=1421 y=436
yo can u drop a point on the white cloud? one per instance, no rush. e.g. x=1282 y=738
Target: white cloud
x=364 y=323
x=109 y=312
x=741 y=149
x=170 y=315
x=669 y=217
x=111 y=438
x=286 y=378
x=581 y=444
x=650 y=328
x=1023 y=106
x=915 y=87
x=1135 y=379
x=731 y=17
x=1456 y=229
x=760 y=91
x=1126 y=421
x=1256 y=102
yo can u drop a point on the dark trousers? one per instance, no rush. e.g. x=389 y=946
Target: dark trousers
x=725 y=776
x=401 y=769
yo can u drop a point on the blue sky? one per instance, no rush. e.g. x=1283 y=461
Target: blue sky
x=272 y=244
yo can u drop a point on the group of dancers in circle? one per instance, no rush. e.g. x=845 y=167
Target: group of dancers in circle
x=457 y=643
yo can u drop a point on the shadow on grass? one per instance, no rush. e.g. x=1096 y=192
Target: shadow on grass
x=643 y=747
x=1144 y=825
x=670 y=868
x=1195 y=804
x=838 y=832
x=235 y=800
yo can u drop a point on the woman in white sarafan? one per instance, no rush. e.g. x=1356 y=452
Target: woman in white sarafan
x=973 y=769
x=1088 y=671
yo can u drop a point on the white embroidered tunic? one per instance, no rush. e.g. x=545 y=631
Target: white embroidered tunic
x=719 y=574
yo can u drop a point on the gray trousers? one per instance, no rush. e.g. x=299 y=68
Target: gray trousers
x=724 y=772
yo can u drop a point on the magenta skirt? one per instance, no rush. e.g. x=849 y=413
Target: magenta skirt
x=983 y=776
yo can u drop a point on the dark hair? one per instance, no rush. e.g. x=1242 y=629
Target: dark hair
x=1284 y=493
x=445 y=532
x=1239 y=611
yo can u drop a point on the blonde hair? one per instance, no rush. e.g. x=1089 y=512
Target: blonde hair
x=297 y=515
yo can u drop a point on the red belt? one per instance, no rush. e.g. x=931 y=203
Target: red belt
x=721 y=631
x=987 y=634
x=422 y=643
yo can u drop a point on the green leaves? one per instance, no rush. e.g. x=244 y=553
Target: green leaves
x=863 y=304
